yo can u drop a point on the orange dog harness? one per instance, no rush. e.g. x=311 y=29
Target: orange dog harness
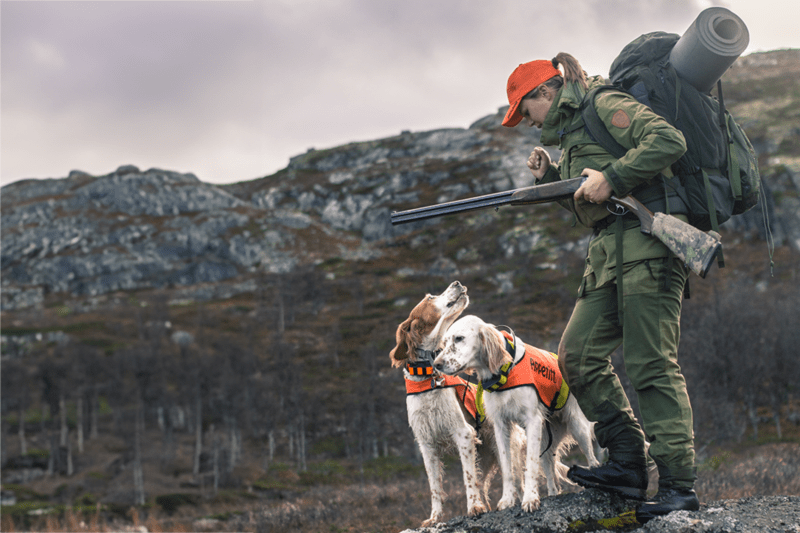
x=537 y=368
x=465 y=390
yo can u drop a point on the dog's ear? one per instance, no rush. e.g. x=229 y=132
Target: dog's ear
x=492 y=348
x=400 y=352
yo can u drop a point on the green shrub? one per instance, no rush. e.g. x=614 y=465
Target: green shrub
x=333 y=446
x=24 y=493
x=170 y=502
x=87 y=499
x=385 y=468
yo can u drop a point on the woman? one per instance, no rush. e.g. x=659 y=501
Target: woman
x=649 y=291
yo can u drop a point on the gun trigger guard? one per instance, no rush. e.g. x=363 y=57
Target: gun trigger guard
x=616 y=209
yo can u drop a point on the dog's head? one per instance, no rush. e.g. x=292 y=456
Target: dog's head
x=427 y=323
x=471 y=345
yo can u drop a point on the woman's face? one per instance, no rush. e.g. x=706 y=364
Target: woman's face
x=534 y=110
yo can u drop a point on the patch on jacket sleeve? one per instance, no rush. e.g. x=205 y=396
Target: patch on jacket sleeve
x=620 y=119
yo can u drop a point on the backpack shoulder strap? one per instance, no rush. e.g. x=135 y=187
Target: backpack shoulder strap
x=652 y=195
x=595 y=127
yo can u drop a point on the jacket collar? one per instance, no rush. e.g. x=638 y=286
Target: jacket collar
x=566 y=103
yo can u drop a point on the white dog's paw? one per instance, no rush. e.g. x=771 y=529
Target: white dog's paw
x=436 y=518
x=505 y=503
x=530 y=506
x=477 y=509
x=432 y=521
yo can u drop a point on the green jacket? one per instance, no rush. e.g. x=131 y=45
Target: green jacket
x=653 y=146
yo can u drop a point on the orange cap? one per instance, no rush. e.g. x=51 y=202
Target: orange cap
x=523 y=80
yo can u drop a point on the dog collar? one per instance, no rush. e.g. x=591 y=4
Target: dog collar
x=420 y=368
x=423 y=366
x=499 y=379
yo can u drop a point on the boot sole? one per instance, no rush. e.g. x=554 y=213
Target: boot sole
x=626 y=492
x=645 y=515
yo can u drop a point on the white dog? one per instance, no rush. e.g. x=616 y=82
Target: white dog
x=524 y=386
x=441 y=409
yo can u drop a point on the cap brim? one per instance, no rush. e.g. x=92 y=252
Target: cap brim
x=513 y=116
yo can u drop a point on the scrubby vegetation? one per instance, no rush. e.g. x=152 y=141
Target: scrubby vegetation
x=283 y=413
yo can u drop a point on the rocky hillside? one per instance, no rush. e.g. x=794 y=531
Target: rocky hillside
x=133 y=229
x=88 y=235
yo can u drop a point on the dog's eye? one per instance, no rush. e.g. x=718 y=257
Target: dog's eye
x=458 y=338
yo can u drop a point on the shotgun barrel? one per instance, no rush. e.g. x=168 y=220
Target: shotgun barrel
x=448 y=208
x=535 y=194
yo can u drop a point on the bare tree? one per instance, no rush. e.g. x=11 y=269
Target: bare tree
x=198 y=436
x=138 y=471
x=215 y=439
x=739 y=353
x=79 y=408
x=16 y=389
x=94 y=409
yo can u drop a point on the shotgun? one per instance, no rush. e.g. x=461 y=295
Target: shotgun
x=694 y=247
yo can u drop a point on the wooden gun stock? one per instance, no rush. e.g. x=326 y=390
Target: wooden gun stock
x=696 y=248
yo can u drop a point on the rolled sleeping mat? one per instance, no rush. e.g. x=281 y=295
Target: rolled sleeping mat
x=709 y=47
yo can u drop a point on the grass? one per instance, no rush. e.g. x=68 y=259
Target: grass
x=75 y=328
x=391 y=495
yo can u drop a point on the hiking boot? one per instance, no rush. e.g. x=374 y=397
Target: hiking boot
x=667 y=500
x=625 y=479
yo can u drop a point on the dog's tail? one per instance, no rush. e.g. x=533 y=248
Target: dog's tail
x=561 y=474
x=487 y=484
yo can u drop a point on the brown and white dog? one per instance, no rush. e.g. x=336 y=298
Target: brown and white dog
x=436 y=404
x=523 y=386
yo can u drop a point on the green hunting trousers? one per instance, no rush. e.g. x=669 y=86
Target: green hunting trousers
x=649 y=336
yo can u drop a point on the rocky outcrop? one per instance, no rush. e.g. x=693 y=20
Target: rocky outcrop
x=86 y=235
x=592 y=510
x=131 y=229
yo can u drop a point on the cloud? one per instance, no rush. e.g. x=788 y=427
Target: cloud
x=231 y=90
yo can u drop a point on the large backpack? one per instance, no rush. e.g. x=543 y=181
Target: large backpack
x=718 y=175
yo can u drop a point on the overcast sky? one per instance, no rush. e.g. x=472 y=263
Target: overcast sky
x=230 y=90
